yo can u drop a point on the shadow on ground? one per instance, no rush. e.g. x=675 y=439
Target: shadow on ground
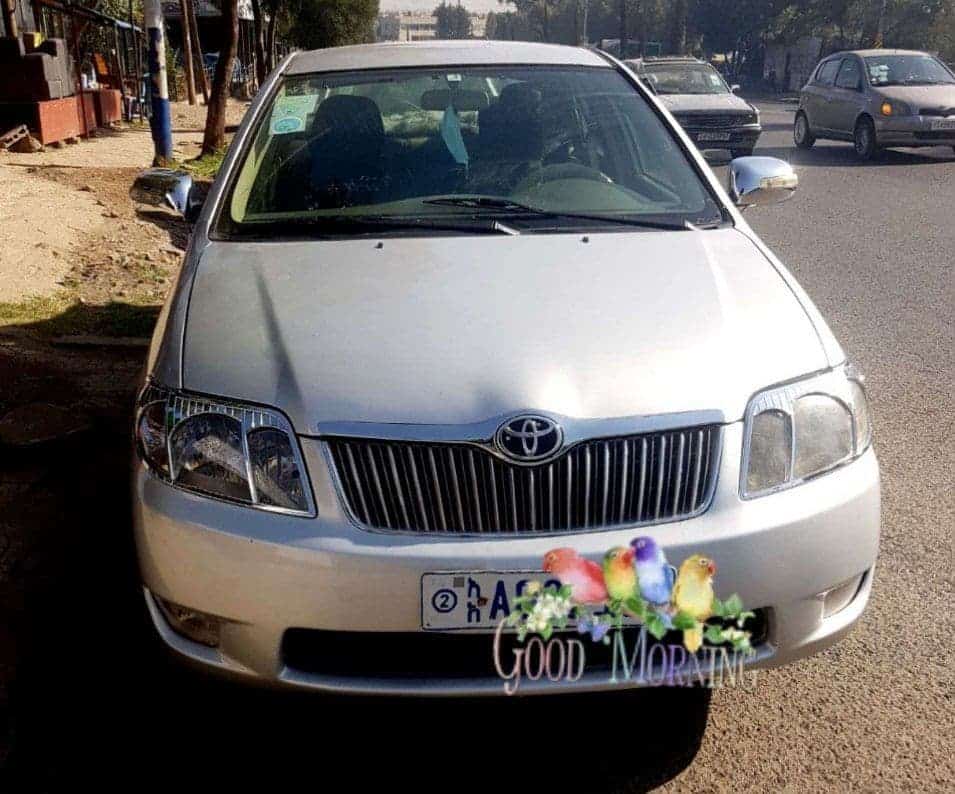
x=87 y=693
x=844 y=156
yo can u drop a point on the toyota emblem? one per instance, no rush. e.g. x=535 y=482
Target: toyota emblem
x=529 y=438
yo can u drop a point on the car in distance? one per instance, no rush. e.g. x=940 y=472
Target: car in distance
x=448 y=306
x=878 y=99
x=707 y=108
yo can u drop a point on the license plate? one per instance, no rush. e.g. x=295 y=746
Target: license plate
x=457 y=601
x=943 y=124
x=713 y=136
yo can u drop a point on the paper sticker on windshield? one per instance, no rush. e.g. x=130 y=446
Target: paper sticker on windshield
x=290 y=112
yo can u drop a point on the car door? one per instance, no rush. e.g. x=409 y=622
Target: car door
x=817 y=94
x=846 y=96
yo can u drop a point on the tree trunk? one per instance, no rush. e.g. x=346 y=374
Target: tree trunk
x=10 y=18
x=623 y=29
x=214 y=138
x=188 y=63
x=878 y=40
x=270 y=38
x=258 y=43
x=200 y=66
x=678 y=15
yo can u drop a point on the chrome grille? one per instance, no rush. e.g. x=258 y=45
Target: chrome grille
x=463 y=488
x=708 y=121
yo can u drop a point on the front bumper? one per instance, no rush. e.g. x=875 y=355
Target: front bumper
x=912 y=131
x=265 y=573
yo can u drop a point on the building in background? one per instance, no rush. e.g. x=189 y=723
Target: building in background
x=787 y=67
x=420 y=26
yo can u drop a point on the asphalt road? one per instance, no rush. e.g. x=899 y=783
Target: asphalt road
x=90 y=698
x=874 y=246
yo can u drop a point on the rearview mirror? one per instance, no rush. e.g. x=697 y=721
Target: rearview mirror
x=755 y=181
x=168 y=189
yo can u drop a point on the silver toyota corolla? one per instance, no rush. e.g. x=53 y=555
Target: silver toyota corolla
x=446 y=307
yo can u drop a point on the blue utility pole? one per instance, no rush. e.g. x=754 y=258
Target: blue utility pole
x=159 y=122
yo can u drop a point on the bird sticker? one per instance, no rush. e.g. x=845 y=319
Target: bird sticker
x=632 y=584
x=584 y=576
x=620 y=576
x=693 y=595
x=655 y=574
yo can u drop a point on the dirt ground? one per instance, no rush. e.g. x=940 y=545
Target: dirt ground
x=74 y=253
x=89 y=240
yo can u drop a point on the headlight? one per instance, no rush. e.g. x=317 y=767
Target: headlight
x=798 y=431
x=240 y=453
x=895 y=108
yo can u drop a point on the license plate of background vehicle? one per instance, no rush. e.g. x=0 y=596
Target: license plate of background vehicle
x=713 y=136
x=943 y=124
x=463 y=600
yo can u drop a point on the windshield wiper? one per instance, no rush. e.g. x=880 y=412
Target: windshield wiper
x=330 y=224
x=508 y=205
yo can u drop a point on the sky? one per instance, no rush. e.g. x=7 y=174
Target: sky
x=430 y=5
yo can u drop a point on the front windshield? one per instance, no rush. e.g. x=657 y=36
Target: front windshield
x=906 y=70
x=695 y=78
x=532 y=146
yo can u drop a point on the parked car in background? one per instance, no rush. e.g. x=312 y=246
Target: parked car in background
x=449 y=306
x=704 y=104
x=878 y=99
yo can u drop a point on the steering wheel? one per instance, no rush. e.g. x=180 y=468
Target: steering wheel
x=557 y=171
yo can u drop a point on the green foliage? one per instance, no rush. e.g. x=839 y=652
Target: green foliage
x=737 y=28
x=331 y=23
x=452 y=22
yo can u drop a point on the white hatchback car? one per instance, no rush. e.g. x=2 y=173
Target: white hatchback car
x=448 y=306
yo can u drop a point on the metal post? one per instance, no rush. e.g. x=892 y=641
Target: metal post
x=159 y=122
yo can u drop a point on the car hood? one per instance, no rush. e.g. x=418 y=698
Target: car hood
x=919 y=96
x=457 y=330
x=704 y=103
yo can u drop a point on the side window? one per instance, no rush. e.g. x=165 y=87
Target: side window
x=827 y=72
x=849 y=75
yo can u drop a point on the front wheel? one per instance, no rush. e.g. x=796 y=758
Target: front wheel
x=741 y=153
x=802 y=133
x=864 y=139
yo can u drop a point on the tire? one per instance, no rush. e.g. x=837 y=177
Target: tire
x=864 y=139
x=741 y=153
x=802 y=132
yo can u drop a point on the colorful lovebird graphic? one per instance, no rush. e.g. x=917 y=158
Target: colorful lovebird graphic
x=655 y=574
x=693 y=594
x=584 y=576
x=620 y=577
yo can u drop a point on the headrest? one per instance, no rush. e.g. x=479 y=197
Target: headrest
x=521 y=94
x=349 y=116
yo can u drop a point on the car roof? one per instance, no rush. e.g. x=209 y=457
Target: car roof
x=666 y=60
x=475 y=52
x=869 y=53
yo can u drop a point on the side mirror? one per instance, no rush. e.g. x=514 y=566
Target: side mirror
x=168 y=189
x=734 y=88
x=755 y=181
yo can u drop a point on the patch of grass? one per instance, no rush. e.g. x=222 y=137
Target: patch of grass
x=205 y=166
x=63 y=314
